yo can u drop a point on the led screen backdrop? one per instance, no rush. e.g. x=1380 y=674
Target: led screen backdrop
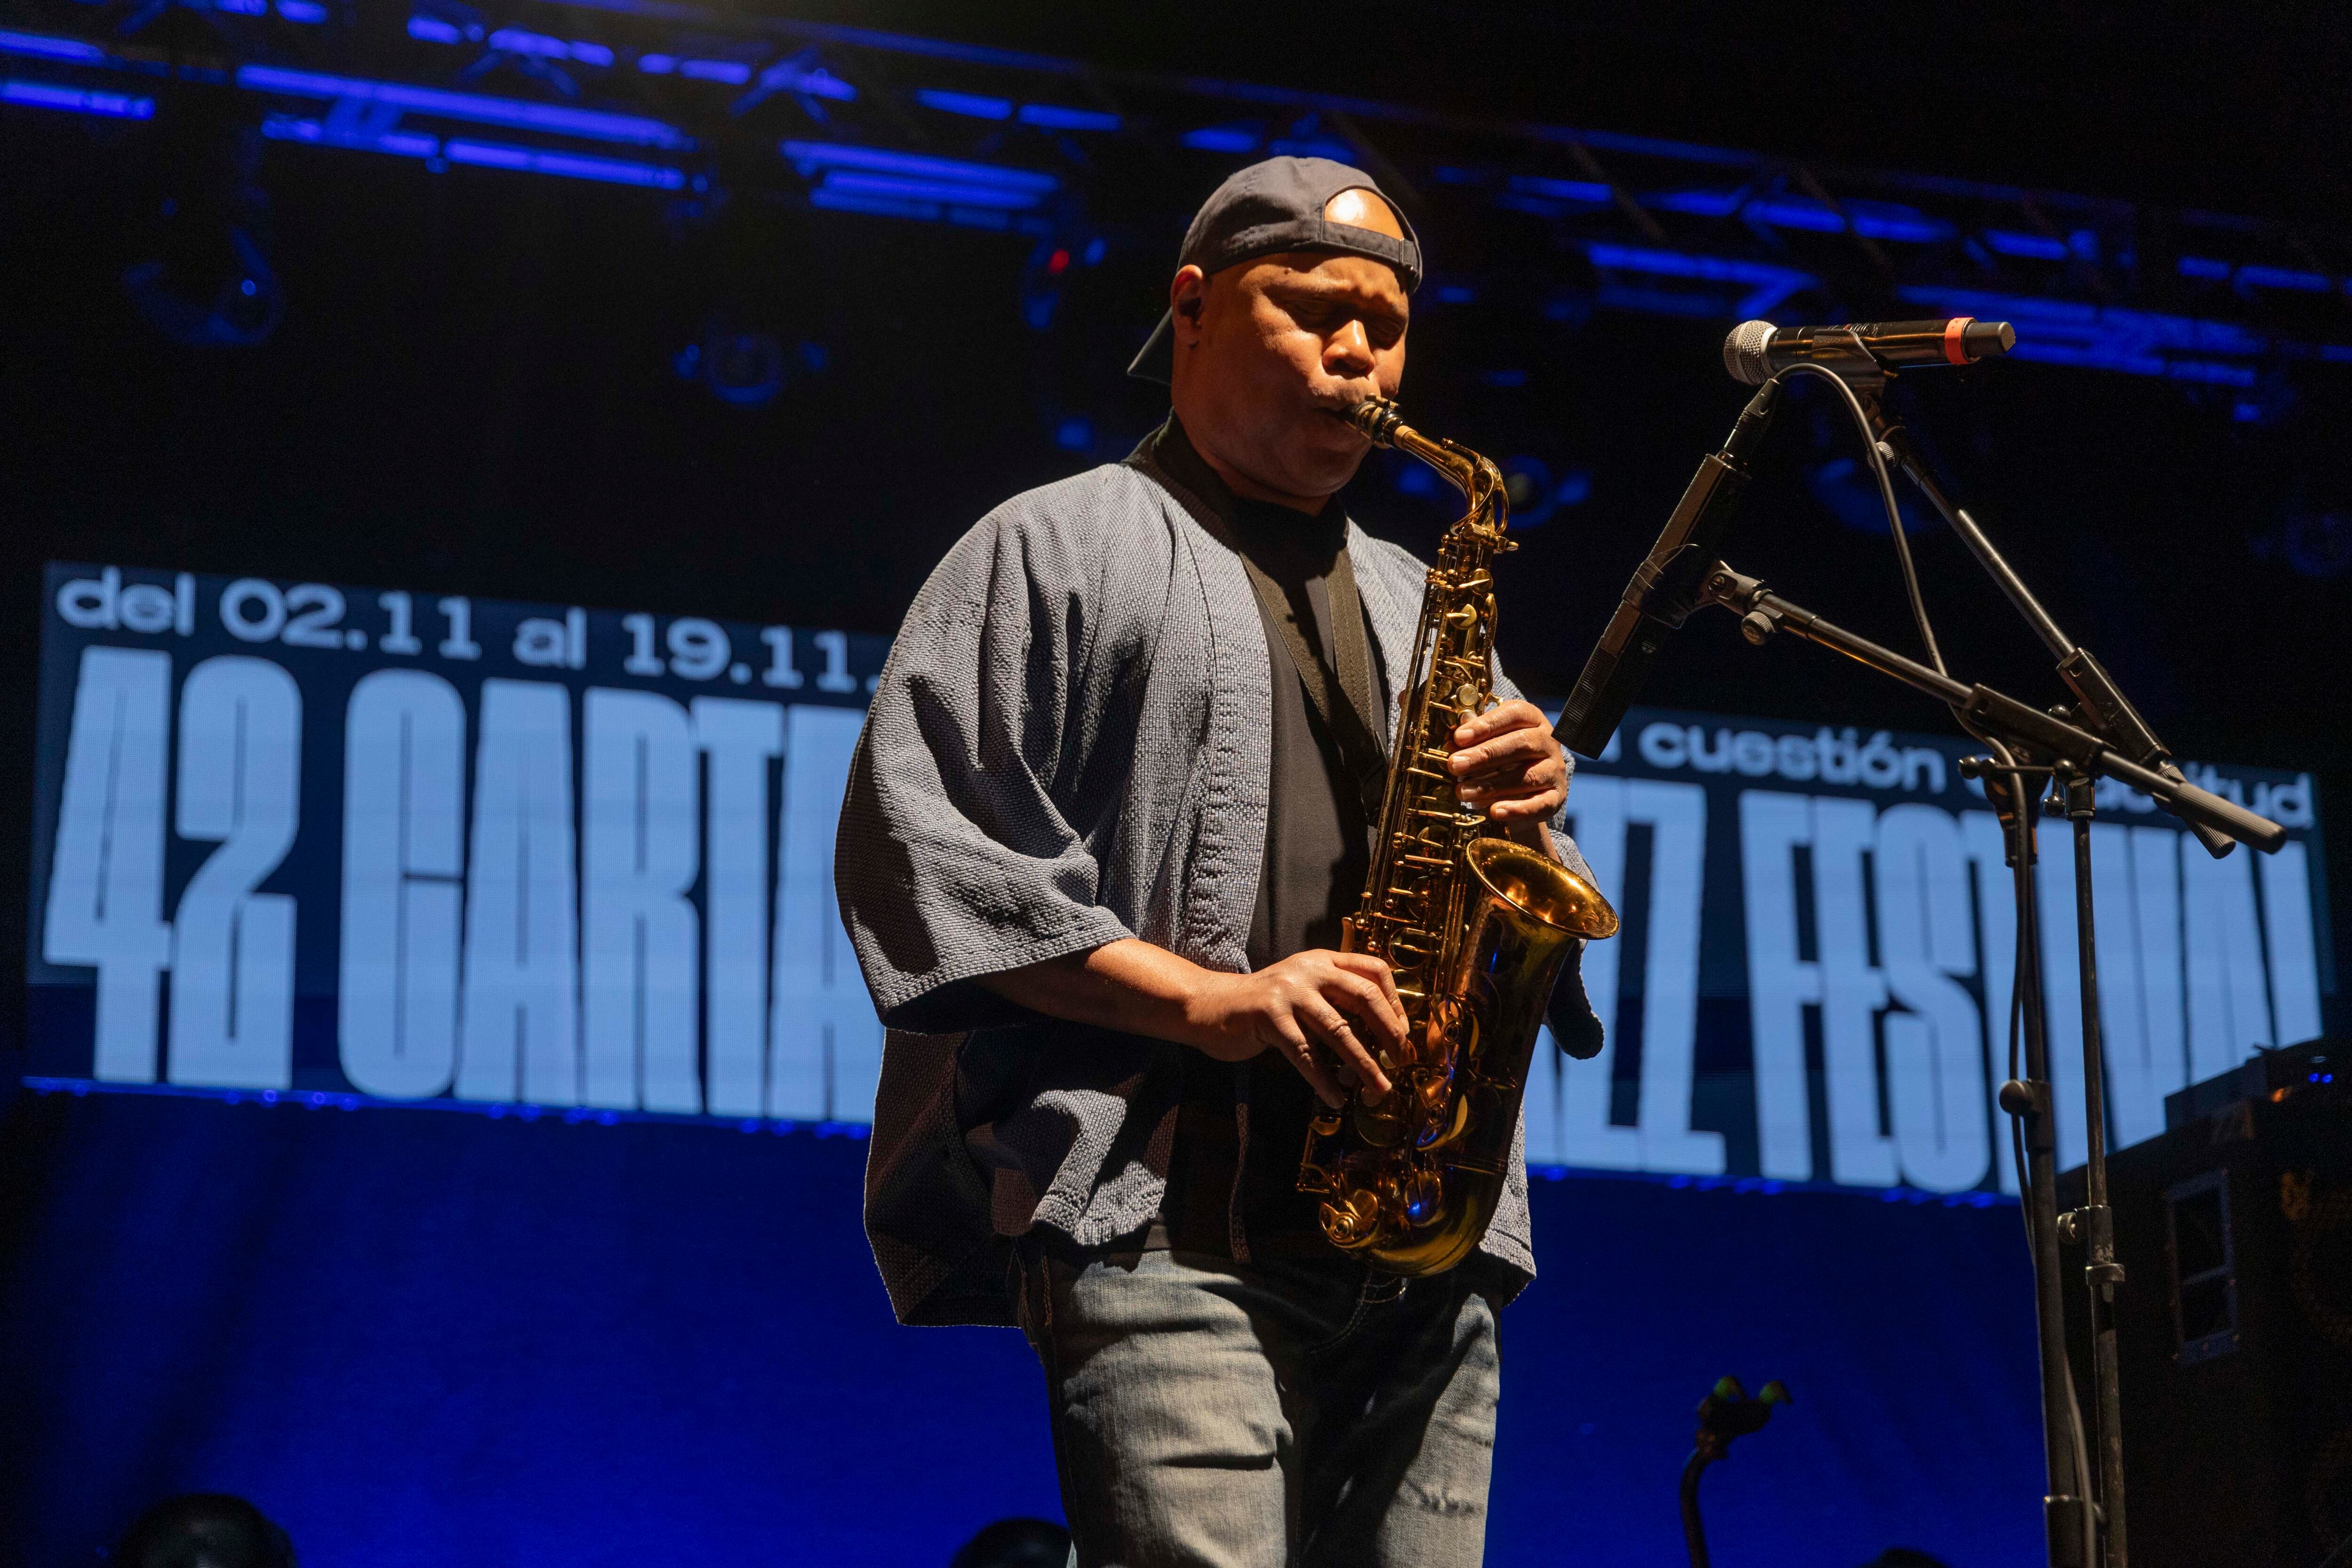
x=306 y=839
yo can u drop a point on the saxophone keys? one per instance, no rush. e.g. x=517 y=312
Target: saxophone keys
x=1381 y=1126
x=1446 y=1126
x=1353 y=1218
x=1433 y=1091
x=1419 y=1194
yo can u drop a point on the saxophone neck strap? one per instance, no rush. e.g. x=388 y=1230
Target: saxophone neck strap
x=1342 y=696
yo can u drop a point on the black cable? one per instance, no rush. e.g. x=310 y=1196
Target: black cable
x=1894 y=512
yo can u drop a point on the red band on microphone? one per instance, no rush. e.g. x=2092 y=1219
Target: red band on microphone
x=1952 y=331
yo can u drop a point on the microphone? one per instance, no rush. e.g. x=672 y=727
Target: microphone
x=1757 y=350
x=1664 y=589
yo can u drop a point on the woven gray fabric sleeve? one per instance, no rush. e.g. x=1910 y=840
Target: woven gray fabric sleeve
x=958 y=855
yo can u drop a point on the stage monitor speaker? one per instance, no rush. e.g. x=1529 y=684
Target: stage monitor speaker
x=2235 y=1323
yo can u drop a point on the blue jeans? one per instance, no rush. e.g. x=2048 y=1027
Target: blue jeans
x=1276 y=1414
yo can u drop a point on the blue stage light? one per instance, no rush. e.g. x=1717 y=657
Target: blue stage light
x=2039 y=246
x=970 y=104
x=2282 y=278
x=40 y=48
x=1873 y=220
x=309 y=13
x=895 y=187
x=734 y=73
x=1680 y=264
x=1695 y=204
x=1416 y=479
x=1588 y=191
x=1221 y=139
x=1053 y=117
x=42 y=95
x=479 y=154
x=875 y=206
x=570 y=165
x=1528 y=485
x=593 y=124
x=1535 y=495
x=523 y=41
x=792 y=76
x=433 y=30
x=398 y=143
x=809 y=157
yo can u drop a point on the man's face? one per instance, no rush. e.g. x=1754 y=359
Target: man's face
x=1267 y=351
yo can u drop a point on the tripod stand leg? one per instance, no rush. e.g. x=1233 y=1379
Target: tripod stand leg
x=2095 y=1225
x=2064 y=1506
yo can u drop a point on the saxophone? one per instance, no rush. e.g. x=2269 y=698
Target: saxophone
x=1474 y=926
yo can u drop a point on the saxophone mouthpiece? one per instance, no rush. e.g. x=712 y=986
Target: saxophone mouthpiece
x=1376 y=418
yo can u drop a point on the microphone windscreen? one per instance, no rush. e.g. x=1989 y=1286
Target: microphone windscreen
x=1743 y=352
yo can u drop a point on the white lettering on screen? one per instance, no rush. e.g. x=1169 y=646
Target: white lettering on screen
x=1934 y=1049
x=1832 y=757
x=518 y=1035
x=739 y=738
x=105 y=904
x=670 y=941
x=640 y=939
x=404 y=892
x=233 y=959
x=2163 y=1024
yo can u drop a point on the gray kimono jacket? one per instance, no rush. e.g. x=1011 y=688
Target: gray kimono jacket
x=1069 y=745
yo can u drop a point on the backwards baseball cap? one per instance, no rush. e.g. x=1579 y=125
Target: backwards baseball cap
x=1269 y=208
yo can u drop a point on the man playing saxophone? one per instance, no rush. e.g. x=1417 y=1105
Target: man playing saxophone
x=1112 y=804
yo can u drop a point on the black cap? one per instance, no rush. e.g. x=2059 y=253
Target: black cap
x=1269 y=208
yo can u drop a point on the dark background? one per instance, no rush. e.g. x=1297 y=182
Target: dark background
x=474 y=389
x=2238 y=109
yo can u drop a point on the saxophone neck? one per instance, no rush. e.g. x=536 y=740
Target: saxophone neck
x=1480 y=482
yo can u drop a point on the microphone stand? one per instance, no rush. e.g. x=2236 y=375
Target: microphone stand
x=2026 y=741
x=2101 y=706
x=2099 y=703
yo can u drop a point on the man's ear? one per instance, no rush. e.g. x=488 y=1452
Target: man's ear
x=1188 y=296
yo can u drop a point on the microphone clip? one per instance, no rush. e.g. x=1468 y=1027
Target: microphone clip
x=1842 y=354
